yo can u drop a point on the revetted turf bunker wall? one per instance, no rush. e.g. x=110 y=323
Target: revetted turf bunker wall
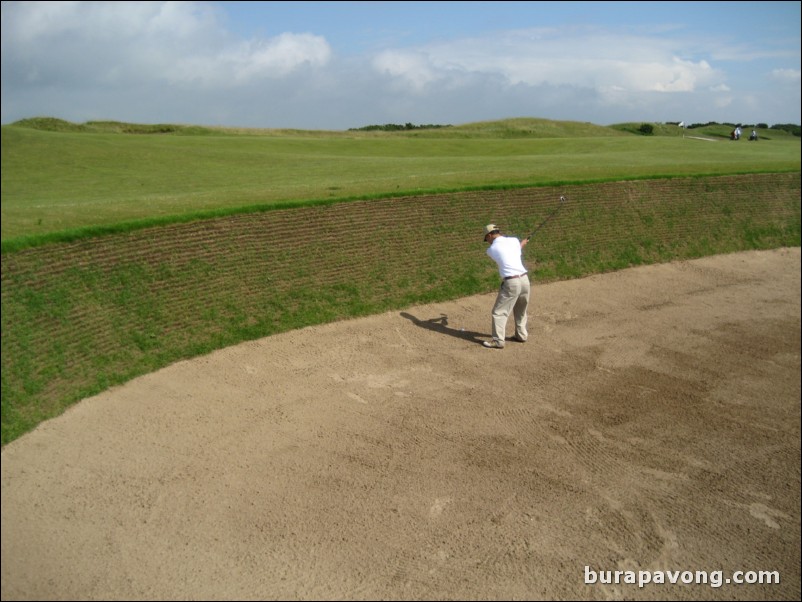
x=79 y=317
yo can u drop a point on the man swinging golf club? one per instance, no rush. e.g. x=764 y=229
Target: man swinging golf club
x=513 y=296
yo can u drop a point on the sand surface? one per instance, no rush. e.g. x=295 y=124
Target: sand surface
x=651 y=424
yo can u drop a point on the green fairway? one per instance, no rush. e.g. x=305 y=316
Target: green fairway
x=54 y=181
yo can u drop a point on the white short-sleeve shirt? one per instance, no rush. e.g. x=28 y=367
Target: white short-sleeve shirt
x=506 y=252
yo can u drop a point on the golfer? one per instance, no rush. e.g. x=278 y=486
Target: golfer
x=513 y=296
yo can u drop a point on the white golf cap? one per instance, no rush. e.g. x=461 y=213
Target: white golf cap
x=490 y=228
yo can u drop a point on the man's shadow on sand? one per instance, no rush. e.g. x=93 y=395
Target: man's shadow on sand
x=441 y=325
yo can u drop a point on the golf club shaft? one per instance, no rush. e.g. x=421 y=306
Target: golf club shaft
x=548 y=217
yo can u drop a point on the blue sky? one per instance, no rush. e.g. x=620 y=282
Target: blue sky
x=338 y=65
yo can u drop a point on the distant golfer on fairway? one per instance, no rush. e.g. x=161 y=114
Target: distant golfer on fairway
x=513 y=296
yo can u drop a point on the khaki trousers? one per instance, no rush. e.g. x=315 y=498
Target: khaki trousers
x=513 y=297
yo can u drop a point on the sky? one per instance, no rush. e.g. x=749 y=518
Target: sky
x=341 y=65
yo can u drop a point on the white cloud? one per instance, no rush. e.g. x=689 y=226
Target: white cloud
x=252 y=61
x=414 y=68
x=173 y=42
x=609 y=63
x=93 y=23
x=787 y=76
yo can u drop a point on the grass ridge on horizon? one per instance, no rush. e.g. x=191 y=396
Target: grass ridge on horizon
x=510 y=127
x=520 y=126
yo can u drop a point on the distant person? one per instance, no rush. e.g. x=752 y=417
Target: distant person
x=513 y=296
x=753 y=135
x=738 y=132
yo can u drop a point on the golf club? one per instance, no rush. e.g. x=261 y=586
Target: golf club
x=548 y=217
